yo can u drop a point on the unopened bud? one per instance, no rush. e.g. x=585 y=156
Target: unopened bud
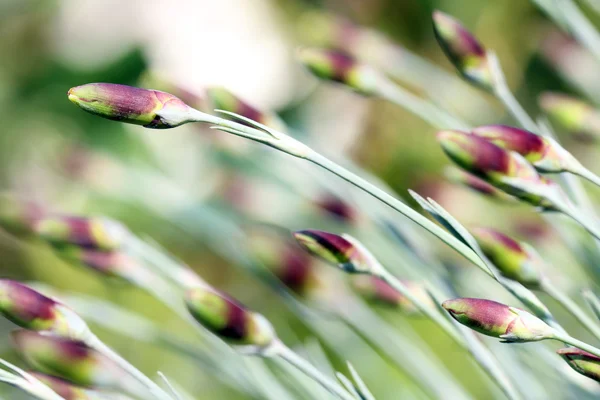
x=149 y=108
x=463 y=49
x=340 y=67
x=378 y=291
x=514 y=260
x=581 y=361
x=461 y=177
x=229 y=319
x=498 y=320
x=572 y=114
x=18 y=215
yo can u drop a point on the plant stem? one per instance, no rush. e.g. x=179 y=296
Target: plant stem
x=152 y=387
x=420 y=107
x=580 y=218
x=579 y=26
x=285 y=353
x=436 y=317
x=571 y=306
x=587 y=174
x=567 y=339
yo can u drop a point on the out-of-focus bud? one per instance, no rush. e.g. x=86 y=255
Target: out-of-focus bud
x=581 y=361
x=514 y=260
x=461 y=177
x=504 y=169
x=110 y=263
x=229 y=319
x=223 y=99
x=544 y=153
x=67 y=359
x=336 y=250
x=378 y=291
x=91 y=232
x=149 y=108
x=69 y=391
x=462 y=48
x=32 y=310
x=337 y=207
x=18 y=215
x=572 y=114
x=340 y=67
x=498 y=320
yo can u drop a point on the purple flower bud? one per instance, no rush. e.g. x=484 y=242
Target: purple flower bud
x=461 y=177
x=544 y=153
x=336 y=250
x=63 y=388
x=337 y=207
x=498 y=320
x=229 y=319
x=32 y=310
x=572 y=114
x=68 y=359
x=340 y=67
x=379 y=292
x=223 y=99
x=462 y=48
x=581 y=361
x=92 y=232
x=514 y=260
x=505 y=170
x=110 y=263
x=149 y=108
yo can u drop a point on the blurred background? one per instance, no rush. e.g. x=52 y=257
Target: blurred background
x=168 y=186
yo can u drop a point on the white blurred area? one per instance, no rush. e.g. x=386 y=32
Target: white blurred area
x=239 y=44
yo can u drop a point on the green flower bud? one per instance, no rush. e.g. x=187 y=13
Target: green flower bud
x=229 y=319
x=337 y=250
x=464 y=178
x=572 y=114
x=69 y=391
x=32 y=310
x=18 y=215
x=92 y=232
x=67 y=359
x=378 y=291
x=464 y=51
x=581 y=361
x=149 y=108
x=514 y=260
x=498 y=320
x=340 y=67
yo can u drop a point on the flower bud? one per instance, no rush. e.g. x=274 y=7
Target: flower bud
x=340 y=67
x=505 y=170
x=66 y=358
x=461 y=177
x=378 y=291
x=93 y=232
x=336 y=207
x=223 y=99
x=229 y=319
x=572 y=114
x=514 y=260
x=336 y=250
x=544 y=153
x=32 y=310
x=581 y=361
x=149 y=108
x=18 y=215
x=498 y=320
x=110 y=263
x=64 y=389
x=462 y=48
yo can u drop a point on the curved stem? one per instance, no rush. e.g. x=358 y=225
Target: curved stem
x=581 y=219
x=152 y=387
x=397 y=205
x=572 y=307
x=588 y=175
x=288 y=355
x=577 y=343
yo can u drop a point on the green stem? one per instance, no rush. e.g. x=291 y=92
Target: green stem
x=286 y=354
x=587 y=174
x=567 y=339
x=432 y=314
x=572 y=307
x=580 y=218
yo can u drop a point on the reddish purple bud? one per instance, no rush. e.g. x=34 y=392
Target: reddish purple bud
x=229 y=319
x=498 y=320
x=544 y=153
x=32 y=310
x=462 y=48
x=68 y=359
x=92 y=232
x=340 y=67
x=461 y=177
x=514 y=260
x=336 y=250
x=149 y=108
x=378 y=291
x=336 y=207
x=581 y=361
x=110 y=263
